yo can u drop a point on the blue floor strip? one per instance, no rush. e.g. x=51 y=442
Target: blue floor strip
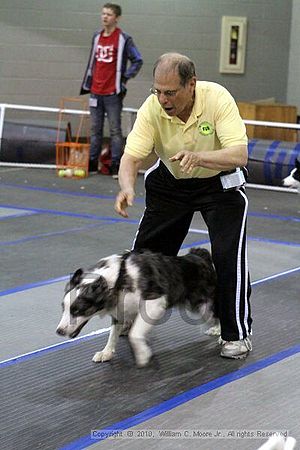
x=49 y=349
x=56 y=191
x=54 y=233
x=178 y=400
x=117 y=219
x=69 y=214
x=26 y=287
x=274 y=216
x=273 y=241
x=26 y=239
x=62 y=192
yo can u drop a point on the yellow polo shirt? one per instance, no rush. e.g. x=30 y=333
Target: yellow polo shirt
x=214 y=123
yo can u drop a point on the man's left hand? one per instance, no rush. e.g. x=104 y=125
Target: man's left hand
x=188 y=160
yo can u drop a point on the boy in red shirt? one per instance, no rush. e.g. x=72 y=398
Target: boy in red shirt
x=105 y=79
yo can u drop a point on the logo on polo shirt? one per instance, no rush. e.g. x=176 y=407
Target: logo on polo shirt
x=206 y=128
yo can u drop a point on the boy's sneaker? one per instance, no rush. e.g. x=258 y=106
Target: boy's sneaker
x=93 y=165
x=235 y=349
x=114 y=170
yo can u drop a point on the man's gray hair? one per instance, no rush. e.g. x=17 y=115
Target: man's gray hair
x=180 y=64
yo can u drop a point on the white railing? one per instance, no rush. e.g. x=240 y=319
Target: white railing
x=5 y=106
x=132 y=112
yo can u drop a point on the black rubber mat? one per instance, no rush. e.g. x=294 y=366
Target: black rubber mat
x=55 y=398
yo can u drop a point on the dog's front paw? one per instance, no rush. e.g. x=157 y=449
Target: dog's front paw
x=214 y=331
x=105 y=355
x=142 y=357
x=141 y=350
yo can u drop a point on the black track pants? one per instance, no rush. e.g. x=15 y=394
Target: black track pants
x=170 y=205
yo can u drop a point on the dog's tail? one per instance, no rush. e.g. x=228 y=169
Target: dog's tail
x=202 y=253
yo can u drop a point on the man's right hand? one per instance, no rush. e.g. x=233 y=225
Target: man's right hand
x=128 y=171
x=123 y=200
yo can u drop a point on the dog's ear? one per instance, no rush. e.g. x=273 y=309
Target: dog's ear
x=76 y=278
x=297 y=163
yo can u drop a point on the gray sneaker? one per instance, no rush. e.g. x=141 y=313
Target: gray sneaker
x=236 y=349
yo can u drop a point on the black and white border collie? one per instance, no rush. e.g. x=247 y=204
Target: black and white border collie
x=137 y=288
x=293 y=179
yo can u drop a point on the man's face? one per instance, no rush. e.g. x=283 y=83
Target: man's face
x=174 y=98
x=109 y=18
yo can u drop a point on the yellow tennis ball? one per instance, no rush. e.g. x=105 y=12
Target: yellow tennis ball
x=61 y=173
x=79 y=173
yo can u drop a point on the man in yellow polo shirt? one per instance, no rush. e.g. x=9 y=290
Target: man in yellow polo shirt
x=200 y=140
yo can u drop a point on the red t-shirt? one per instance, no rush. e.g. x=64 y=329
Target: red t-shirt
x=104 y=73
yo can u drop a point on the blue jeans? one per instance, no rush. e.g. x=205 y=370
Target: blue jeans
x=112 y=106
